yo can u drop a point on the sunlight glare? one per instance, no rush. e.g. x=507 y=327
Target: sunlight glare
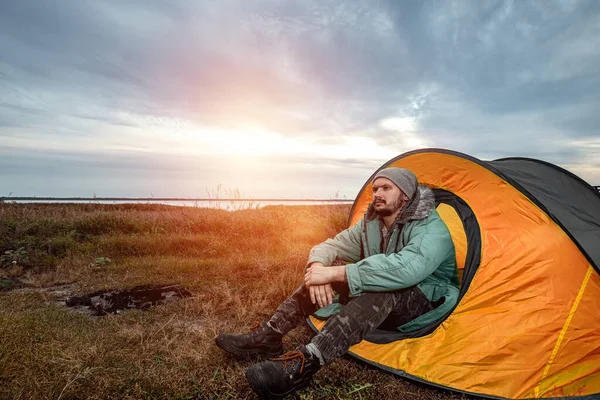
x=404 y=124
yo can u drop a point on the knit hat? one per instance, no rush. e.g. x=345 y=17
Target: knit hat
x=405 y=179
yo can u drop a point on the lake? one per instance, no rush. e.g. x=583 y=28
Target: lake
x=225 y=204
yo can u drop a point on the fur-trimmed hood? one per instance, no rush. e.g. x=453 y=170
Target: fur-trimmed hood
x=418 y=208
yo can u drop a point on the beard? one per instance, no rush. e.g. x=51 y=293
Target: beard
x=389 y=209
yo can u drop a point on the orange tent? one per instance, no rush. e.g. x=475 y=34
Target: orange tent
x=527 y=324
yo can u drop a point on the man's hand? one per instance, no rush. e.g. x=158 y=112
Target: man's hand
x=321 y=294
x=318 y=279
x=318 y=274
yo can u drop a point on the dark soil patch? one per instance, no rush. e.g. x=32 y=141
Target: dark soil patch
x=115 y=301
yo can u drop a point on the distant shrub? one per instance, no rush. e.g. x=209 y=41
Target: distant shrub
x=104 y=223
x=45 y=227
x=59 y=246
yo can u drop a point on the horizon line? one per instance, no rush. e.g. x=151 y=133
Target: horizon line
x=202 y=199
x=29 y=198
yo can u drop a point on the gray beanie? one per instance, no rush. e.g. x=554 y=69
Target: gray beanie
x=405 y=179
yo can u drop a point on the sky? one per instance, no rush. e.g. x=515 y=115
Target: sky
x=286 y=99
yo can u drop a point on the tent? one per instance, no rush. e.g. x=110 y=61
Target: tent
x=527 y=323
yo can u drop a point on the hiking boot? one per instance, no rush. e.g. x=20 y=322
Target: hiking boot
x=262 y=341
x=282 y=375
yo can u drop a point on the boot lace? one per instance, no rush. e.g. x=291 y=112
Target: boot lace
x=290 y=359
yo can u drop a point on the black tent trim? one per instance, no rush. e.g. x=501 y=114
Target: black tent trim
x=577 y=179
x=472 y=232
x=420 y=380
x=517 y=186
x=498 y=173
x=594 y=189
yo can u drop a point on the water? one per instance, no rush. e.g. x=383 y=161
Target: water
x=225 y=204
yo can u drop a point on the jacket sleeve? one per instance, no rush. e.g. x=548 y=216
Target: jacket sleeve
x=421 y=256
x=346 y=245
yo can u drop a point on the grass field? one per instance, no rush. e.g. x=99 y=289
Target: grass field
x=238 y=266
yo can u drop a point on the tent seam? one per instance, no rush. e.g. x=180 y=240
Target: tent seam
x=564 y=328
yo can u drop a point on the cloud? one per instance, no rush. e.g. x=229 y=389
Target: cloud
x=317 y=81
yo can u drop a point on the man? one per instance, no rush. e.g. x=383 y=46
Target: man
x=401 y=264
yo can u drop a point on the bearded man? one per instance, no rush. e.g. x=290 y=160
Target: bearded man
x=400 y=264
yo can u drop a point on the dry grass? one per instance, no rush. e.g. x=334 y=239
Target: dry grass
x=238 y=265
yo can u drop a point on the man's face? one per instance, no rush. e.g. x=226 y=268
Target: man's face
x=387 y=197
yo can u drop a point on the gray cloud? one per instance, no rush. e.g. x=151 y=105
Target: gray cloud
x=491 y=79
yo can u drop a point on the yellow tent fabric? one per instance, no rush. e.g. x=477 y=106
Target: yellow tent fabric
x=528 y=325
x=457 y=231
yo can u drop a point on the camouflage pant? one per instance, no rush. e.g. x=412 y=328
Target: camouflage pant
x=360 y=315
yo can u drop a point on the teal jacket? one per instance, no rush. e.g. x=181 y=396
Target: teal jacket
x=419 y=252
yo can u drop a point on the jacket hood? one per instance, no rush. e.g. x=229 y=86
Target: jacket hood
x=418 y=208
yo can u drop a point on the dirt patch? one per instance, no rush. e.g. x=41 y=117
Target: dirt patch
x=115 y=301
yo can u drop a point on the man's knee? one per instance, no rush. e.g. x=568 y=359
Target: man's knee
x=376 y=298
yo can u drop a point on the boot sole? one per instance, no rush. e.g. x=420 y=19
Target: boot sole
x=248 y=354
